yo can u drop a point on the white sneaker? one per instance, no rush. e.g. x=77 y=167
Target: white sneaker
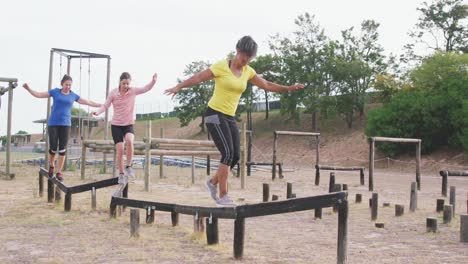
x=129 y=174
x=122 y=178
x=212 y=189
x=225 y=202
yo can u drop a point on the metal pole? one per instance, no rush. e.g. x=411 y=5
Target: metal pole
x=49 y=87
x=8 y=143
x=106 y=118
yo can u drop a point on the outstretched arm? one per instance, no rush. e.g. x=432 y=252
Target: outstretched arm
x=274 y=87
x=88 y=102
x=147 y=87
x=105 y=106
x=34 y=93
x=200 y=77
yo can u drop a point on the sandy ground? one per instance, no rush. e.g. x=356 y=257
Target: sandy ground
x=34 y=231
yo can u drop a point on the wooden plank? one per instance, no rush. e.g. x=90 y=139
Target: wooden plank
x=401 y=140
x=290 y=205
x=186 y=142
x=181 y=152
x=297 y=133
x=453 y=173
x=97 y=185
x=338 y=168
x=218 y=212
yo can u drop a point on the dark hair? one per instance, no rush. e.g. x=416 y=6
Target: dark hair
x=247 y=45
x=65 y=78
x=125 y=75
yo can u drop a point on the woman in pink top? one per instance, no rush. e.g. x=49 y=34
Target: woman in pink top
x=123 y=102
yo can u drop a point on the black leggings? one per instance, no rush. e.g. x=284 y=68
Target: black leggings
x=225 y=134
x=58 y=136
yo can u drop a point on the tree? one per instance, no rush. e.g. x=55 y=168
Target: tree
x=193 y=101
x=79 y=112
x=267 y=67
x=441 y=26
x=22 y=132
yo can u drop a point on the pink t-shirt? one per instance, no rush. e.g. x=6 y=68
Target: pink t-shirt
x=124 y=104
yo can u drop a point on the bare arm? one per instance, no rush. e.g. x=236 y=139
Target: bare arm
x=147 y=87
x=274 y=87
x=106 y=105
x=88 y=102
x=200 y=77
x=34 y=93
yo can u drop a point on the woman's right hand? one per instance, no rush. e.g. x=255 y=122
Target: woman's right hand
x=26 y=86
x=94 y=113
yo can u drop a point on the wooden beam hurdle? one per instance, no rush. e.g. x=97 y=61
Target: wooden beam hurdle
x=445 y=174
x=69 y=190
x=372 y=141
x=337 y=168
x=276 y=134
x=240 y=213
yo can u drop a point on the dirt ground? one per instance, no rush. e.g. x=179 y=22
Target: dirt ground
x=34 y=231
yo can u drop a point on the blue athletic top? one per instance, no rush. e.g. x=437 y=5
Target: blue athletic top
x=61 y=109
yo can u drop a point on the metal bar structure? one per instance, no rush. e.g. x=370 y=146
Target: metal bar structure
x=240 y=213
x=372 y=141
x=74 y=54
x=12 y=84
x=293 y=133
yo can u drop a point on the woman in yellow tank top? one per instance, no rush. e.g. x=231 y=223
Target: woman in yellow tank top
x=231 y=77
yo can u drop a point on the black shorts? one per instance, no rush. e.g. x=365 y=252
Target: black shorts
x=119 y=132
x=58 y=139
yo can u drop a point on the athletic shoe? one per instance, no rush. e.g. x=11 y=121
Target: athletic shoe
x=122 y=178
x=212 y=189
x=225 y=202
x=51 y=172
x=59 y=176
x=129 y=174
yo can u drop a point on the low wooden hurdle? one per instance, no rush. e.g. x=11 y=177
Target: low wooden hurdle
x=372 y=141
x=276 y=134
x=337 y=168
x=68 y=190
x=445 y=174
x=240 y=213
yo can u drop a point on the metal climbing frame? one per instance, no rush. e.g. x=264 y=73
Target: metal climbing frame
x=73 y=54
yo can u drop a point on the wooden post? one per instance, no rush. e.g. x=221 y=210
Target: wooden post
x=8 y=173
x=387 y=204
x=358 y=198
x=274 y=197
x=134 y=223
x=193 y=169
x=399 y=209
x=361 y=176
x=161 y=158
x=174 y=218
x=83 y=160
x=418 y=164
x=288 y=190
x=50 y=191
x=440 y=205
x=198 y=226
x=464 y=228
x=370 y=202
x=239 y=231
x=318 y=213
x=379 y=225
x=331 y=185
x=273 y=168
x=249 y=151
x=317 y=152
x=375 y=206
x=68 y=200
x=345 y=187
x=371 y=163
x=113 y=210
x=444 y=183
x=212 y=237
x=149 y=215
x=452 y=198
x=337 y=188
x=413 y=197
x=342 y=232
x=41 y=185
x=317 y=175
x=147 y=155
x=58 y=195
x=93 y=198
x=266 y=192
x=431 y=224
x=448 y=208
x=243 y=156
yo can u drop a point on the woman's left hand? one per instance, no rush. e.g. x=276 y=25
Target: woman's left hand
x=295 y=87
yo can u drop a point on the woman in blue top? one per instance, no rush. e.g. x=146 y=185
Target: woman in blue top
x=59 y=121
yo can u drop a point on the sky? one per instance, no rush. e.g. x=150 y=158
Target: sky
x=145 y=37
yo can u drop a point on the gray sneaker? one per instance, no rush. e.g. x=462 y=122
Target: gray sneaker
x=212 y=189
x=122 y=178
x=225 y=202
x=129 y=174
